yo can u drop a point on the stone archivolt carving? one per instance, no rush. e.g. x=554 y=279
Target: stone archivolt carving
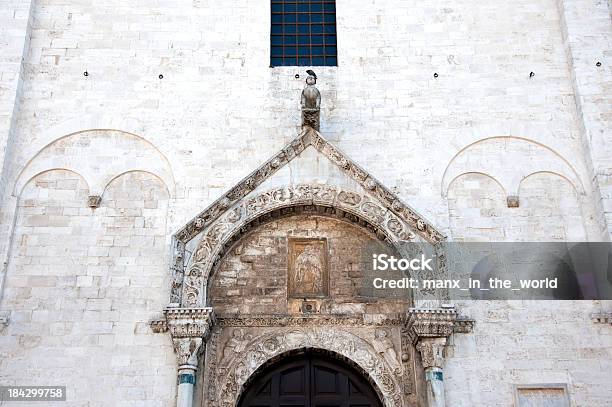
x=237 y=343
x=382 y=206
x=286 y=201
x=383 y=345
x=241 y=365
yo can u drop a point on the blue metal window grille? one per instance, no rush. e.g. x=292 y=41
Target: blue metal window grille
x=303 y=33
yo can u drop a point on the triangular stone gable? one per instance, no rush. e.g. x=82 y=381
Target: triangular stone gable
x=309 y=137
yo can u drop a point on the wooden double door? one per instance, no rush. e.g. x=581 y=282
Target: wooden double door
x=309 y=380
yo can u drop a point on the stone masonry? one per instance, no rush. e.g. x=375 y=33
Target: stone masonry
x=120 y=121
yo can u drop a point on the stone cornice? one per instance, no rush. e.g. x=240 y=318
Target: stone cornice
x=185 y=322
x=602 y=317
x=436 y=323
x=464 y=325
x=306 y=320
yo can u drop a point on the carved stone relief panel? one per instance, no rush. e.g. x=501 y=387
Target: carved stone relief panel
x=378 y=206
x=308 y=273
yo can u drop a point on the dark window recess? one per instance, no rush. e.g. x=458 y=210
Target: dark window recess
x=303 y=33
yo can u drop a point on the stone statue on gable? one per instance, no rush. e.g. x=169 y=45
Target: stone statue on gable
x=311 y=102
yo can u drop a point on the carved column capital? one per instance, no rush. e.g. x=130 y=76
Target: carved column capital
x=431 y=322
x=432 y=352
x=189 y=328
x=429 y=329
x=187 y=350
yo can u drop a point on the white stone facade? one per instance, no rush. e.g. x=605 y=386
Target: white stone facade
x=80 y=285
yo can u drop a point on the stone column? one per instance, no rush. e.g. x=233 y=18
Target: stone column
x=187 y=350
x=429 y=329
x=190 y=329
x=432 y=356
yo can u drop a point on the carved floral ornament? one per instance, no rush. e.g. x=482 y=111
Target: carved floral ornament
x=265 y=347
x=226 y=217
x=189 y=328
x=286 y=201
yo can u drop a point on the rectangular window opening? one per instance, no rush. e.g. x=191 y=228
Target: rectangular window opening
x=303 y=33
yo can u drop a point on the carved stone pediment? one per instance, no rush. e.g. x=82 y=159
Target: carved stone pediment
x=309 y=137
x=238 y=209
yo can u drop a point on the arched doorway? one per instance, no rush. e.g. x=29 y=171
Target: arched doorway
x=309 y=379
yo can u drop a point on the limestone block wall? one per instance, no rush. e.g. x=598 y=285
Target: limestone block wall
x=532 y=342
x=82 y=286
x=517 y=343
x=14 y=40
x=252 y=279
x=587 y=35
x=15 y=27
x=86 y=282
x=220 y=110
x=549 y=210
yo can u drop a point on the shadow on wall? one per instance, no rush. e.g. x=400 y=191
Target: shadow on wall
x=86 y=282
x=99 y=156
x=513 y=189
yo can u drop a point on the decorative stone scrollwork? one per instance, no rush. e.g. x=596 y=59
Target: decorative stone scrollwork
x=193 y=287
x=349 y=198
x=432 y=352
x=189 y=328
x=307 y=321
x=379 y=207
x=439 y=322
x=187 y=350
x=351 y=206
x=346 y=344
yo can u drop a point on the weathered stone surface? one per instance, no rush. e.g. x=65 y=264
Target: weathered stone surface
x=85 y=283
x=255 y=280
